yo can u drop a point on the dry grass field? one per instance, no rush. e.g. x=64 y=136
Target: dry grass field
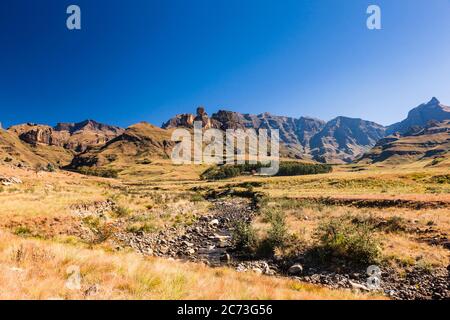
x=46 y=227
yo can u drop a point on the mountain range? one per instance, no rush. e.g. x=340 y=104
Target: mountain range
x=425 y=133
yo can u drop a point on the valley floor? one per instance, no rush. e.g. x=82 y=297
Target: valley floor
x=171 y=236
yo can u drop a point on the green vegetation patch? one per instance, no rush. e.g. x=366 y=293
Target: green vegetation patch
x=99 y=172
x=286 y=169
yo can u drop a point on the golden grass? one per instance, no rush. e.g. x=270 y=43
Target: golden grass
x=162 y=192
x=33 y=269
x=303 y=219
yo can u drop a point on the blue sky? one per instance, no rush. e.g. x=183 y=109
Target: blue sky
x=150 y=59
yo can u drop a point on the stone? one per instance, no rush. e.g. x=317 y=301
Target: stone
x=226 y=257
x=257 y=270
x=358 y=286
x=15 y=180
x=296 y=269
x=218 y=237
x=187 y=244
x=214 y=222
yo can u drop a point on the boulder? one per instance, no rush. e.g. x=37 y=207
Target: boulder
x=296 y=269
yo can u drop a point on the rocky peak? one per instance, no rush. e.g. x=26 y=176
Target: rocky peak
x=419 y=116
x=343 y=139
x=434 y=100
x=90 y=125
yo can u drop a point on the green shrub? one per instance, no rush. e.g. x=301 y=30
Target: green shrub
x=278 y=236
x=105 y=173
x=395 y=224
x=197 y=197
x=244 y=236
x=436 y=161
x=102 y=230
x=441 y=179
x=340 y=238
x=144 y=161
x=145 y=227
x=121 y=211
x=50 y=167
x=22 y=231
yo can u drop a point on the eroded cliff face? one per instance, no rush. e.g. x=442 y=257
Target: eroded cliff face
x=338 y=141
x=76 y=137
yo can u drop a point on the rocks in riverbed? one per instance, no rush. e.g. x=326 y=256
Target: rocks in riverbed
x=8 y=181
x=296 y=269
x=214 y=222
x=96 y=208
x=208 y=239
x=358 y=286
x=261 y=267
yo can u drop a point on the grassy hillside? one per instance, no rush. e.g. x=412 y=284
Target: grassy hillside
x=14 y=152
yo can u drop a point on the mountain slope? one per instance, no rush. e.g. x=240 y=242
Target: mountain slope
x=340 y=140
x=14 y=152
x=430 y=142
x=76 y=137
x=138 y=143
x=419 y=116
x=344 y=139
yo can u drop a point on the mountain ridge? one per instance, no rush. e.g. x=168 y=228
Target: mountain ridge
x=340 y=140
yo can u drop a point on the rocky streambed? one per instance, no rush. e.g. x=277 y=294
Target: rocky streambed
x=209 y=240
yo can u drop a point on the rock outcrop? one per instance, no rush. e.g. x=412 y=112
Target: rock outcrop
x=137 y=143
x=76 y=137
x=340 y=140
x=344 y=139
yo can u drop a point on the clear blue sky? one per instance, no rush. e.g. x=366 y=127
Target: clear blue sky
x=150 y=59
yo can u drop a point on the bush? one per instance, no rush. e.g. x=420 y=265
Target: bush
x=22 y=231
x=197 y=197
x=145 y=227
x=105 y=173
x=121 y=211
x=102 y=230
x=50 y=167
x=441 y=179
x=395 y=224
x=245 y=237
x=278 y=236
x=340 y=238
